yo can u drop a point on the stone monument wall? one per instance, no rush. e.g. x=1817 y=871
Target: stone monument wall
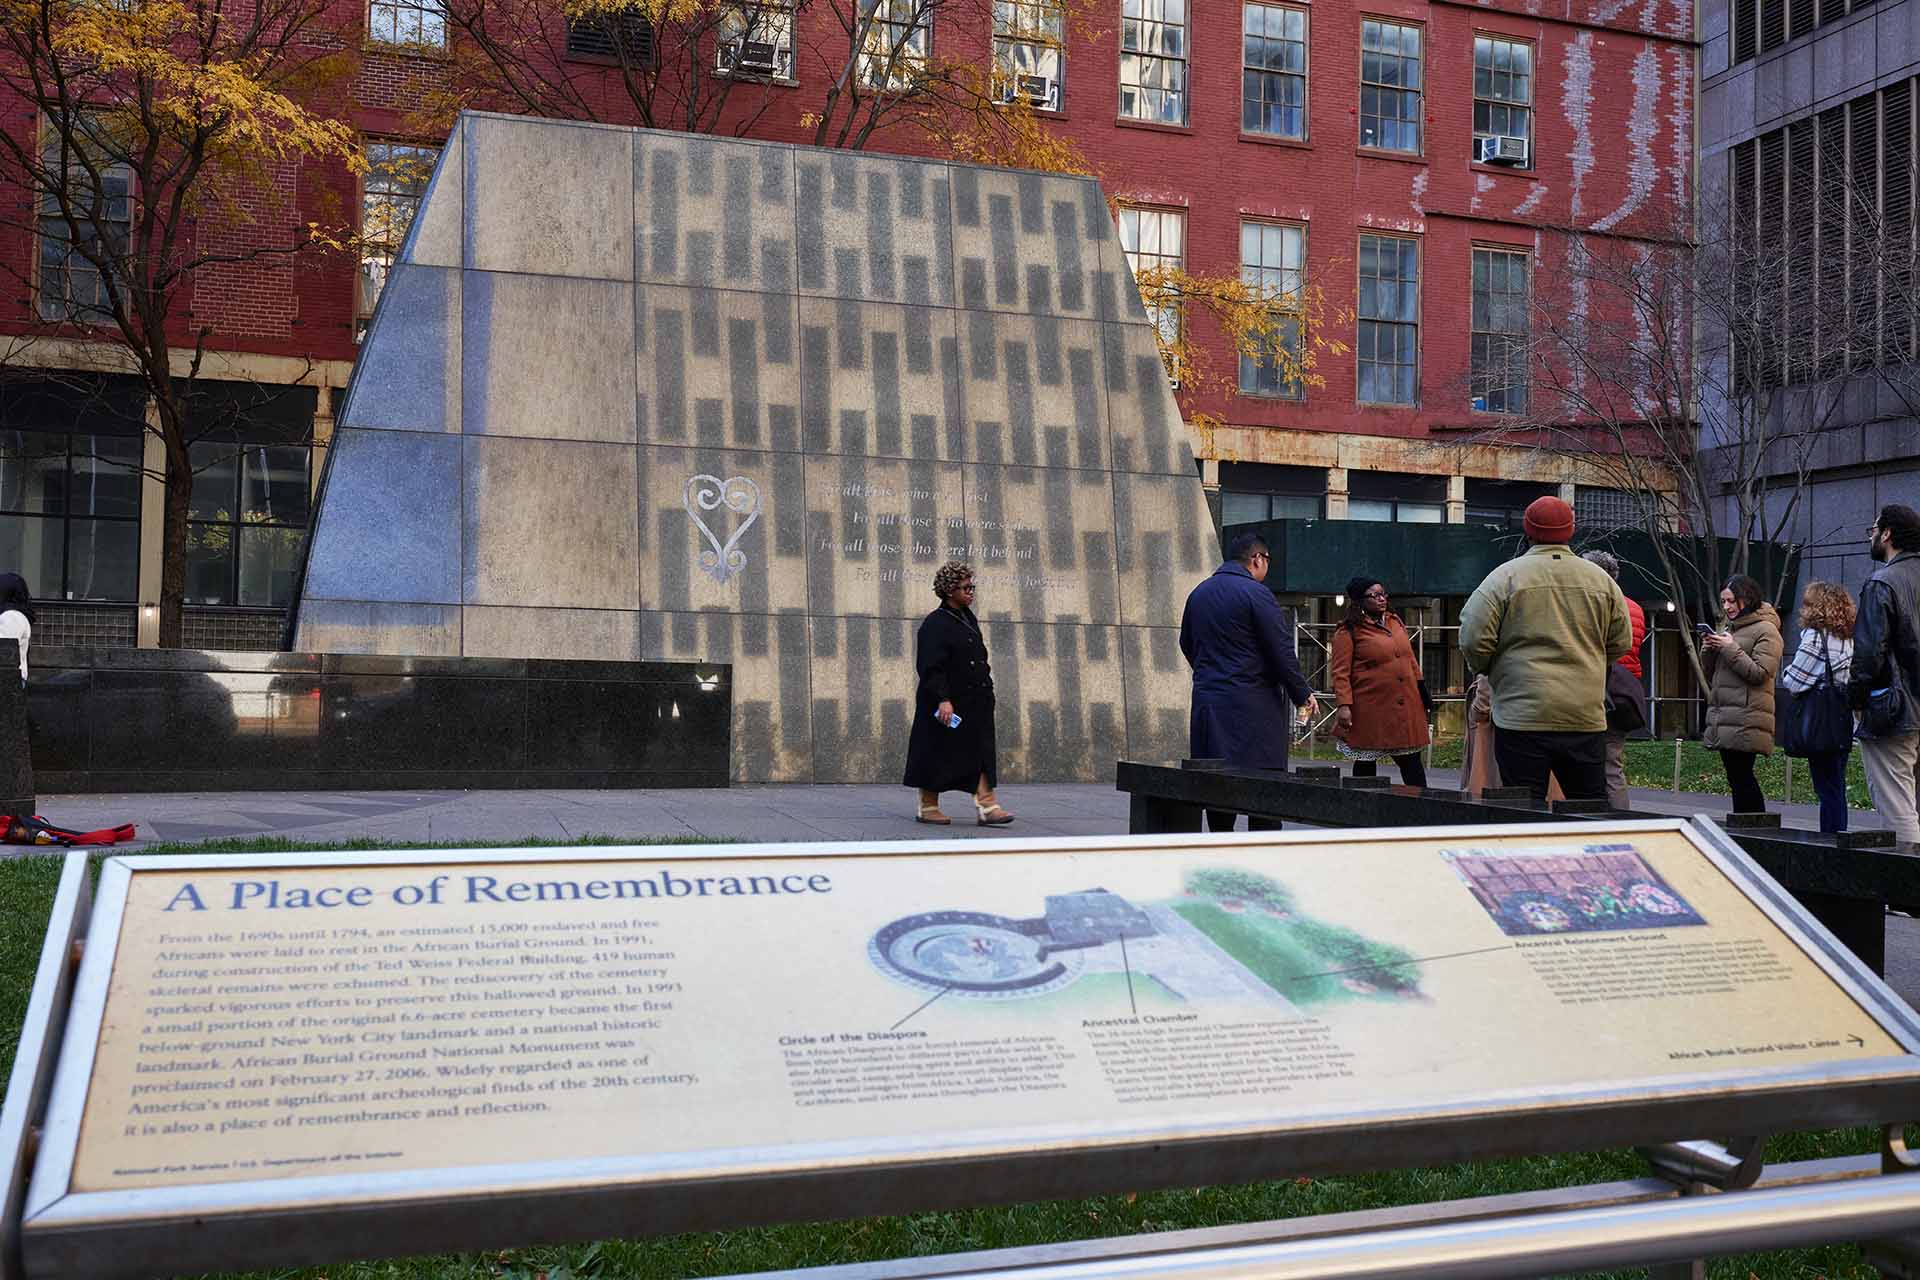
x=643 y=395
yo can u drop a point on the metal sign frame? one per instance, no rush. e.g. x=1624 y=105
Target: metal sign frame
x=308 y=1219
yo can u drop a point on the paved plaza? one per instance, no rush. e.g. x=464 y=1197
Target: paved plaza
x=752 y=813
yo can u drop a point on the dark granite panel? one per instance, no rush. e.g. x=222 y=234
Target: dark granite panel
x=48 y=656
x=632 y=726
x=675 y=675
x=133 y=782
x=59 y=729
x=400 y=722
x=369 y=664
x=168 y=720
x=204 y=720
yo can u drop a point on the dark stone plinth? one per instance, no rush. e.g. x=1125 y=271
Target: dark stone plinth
x=1863 y=840
x=108 y=720
x=1318 y=773
x=1750 y=822
x=1443 y=793
x=1582 y=806
x=16 y=752
x=1204 y=762
x=1496 y=795
x=1375 y=783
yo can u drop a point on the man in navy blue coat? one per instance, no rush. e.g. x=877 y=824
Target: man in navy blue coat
x=1245 y=671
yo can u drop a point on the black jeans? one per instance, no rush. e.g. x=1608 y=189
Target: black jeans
x=1527 y=758
x=1829 y=770
x=1413 y=770
x=1747 y=796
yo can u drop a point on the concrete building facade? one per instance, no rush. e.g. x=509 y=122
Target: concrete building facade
x=1804 y=108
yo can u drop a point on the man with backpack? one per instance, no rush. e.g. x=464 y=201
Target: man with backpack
x=1884 y=686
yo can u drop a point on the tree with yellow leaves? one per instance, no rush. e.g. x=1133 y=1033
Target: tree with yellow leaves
x=149 y=137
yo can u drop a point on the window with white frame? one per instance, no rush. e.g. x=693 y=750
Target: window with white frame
x=1498 y=372
x=1273 y=260
x=74 y=269
x=1503 y=96
x=1153 y=60
x=1390 y=86
x=422 y=23
x=757 y=40
x=1030 y=51
x=396 y=181
x=1273 y=74
x=1387 y=325
x=894 y=50
x=1156 y=239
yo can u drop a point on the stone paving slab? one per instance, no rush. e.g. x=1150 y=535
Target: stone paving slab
x=766 y=812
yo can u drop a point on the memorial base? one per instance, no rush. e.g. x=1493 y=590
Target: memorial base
x=16 y=755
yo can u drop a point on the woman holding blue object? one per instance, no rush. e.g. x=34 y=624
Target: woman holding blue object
x=952 y=747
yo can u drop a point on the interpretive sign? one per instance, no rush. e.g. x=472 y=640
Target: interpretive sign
x=269 y=1034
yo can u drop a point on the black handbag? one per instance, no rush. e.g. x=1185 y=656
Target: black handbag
x=1886 y=709
x=1626 y=701
x=1817 y=721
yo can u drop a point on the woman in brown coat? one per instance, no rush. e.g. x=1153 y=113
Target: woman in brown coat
x=1377 y=686
x=1741 y=663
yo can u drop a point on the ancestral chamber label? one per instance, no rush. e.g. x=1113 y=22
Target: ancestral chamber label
x=300 y=1021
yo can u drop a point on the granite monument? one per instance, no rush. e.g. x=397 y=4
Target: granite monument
x=644 y=395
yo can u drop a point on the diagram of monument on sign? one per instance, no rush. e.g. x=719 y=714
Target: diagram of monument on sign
x=1233 y=937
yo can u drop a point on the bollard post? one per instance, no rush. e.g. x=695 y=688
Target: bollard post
x=1676 y=766
x=1787 y=785
x=16 y=760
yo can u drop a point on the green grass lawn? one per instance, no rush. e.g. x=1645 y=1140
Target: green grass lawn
x=1270 y=952
x=26 y=893
x=1650 y=764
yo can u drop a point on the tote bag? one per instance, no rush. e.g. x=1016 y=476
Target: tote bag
x=1816 y=721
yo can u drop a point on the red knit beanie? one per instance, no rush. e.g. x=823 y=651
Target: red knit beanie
x=1548 y=520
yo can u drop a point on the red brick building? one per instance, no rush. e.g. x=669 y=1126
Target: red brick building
x=1411 y=158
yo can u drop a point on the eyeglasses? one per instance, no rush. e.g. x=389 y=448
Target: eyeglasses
x=1377 y=591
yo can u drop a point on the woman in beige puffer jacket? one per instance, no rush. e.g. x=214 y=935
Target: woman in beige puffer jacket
x=1741 y=664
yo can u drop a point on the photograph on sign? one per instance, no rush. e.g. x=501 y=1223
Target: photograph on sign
x=1576 y=888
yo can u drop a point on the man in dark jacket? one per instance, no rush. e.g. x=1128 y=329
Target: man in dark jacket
x=1885 y=683
x=1240 y=646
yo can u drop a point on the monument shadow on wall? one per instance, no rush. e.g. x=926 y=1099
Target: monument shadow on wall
x=650 y=396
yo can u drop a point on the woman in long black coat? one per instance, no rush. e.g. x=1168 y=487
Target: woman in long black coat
x=951 y=747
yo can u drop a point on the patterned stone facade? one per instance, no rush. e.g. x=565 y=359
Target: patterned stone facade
x=640 y=395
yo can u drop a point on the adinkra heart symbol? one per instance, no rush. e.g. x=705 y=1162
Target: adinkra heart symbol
x=738 y=495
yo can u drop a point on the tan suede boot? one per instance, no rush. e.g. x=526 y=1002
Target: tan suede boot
x=930 y=810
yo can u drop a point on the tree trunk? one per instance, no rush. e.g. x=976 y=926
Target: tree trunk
x=173 y=535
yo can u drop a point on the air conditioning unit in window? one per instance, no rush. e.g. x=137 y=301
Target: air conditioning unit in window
x=750 y=57
x=1500 y=149
x=1035 y=89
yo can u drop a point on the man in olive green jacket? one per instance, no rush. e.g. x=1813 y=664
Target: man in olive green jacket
x=1544 y=627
